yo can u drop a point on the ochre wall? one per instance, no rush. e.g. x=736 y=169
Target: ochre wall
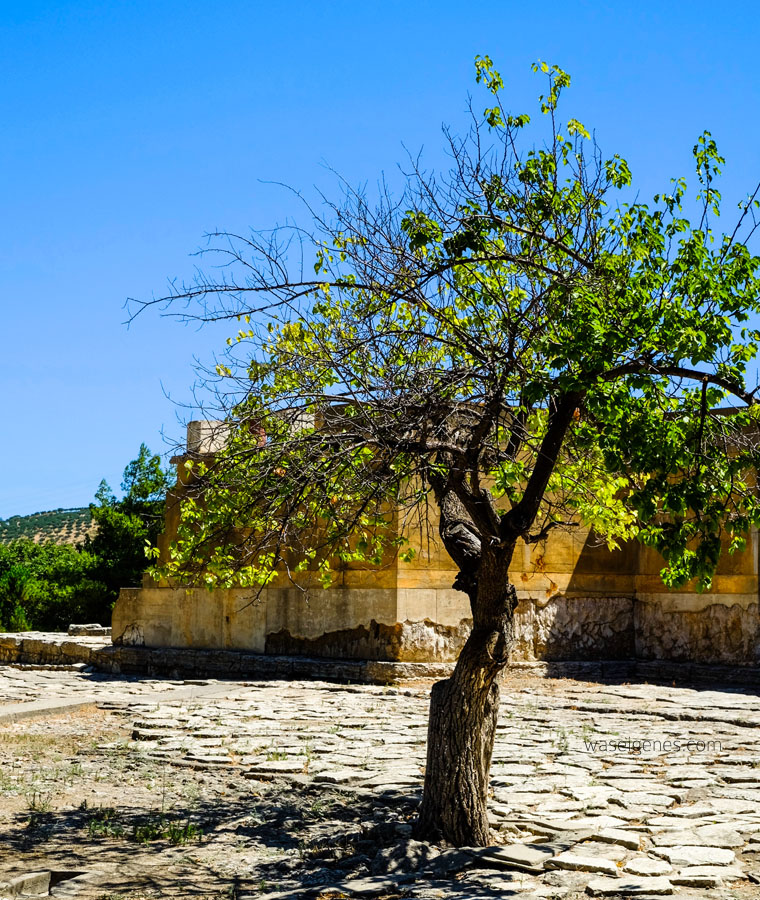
x=578 y=600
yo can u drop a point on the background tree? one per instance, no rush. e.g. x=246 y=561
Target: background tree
x=15 y=594
x=508 y=343
x=46 y=586
x=127 y=526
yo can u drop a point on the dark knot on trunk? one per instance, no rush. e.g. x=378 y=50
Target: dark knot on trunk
x=467 y=582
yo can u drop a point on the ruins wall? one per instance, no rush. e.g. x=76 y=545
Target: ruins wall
x=578 y=601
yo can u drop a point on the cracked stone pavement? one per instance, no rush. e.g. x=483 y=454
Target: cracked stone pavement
x=308 y=789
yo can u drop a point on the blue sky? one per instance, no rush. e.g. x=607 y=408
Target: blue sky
x=131 y=129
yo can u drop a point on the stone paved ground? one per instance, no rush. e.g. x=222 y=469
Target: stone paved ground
x=230 y=789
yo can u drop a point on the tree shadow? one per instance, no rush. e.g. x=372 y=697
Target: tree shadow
x=286 y=835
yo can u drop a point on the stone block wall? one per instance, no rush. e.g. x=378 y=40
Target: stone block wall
x=578 y=601
x=564 y=628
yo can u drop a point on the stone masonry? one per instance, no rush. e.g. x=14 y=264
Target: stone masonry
x=578 y=601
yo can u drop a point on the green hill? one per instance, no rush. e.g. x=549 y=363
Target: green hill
x=59 y=526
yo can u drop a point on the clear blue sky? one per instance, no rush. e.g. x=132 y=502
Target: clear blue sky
x=131 y=129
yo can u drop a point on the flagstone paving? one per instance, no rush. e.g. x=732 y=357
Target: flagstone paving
x=309 y=789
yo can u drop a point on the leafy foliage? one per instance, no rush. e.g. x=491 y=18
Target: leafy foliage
x=145 y=484
x=47 y=586
x=126 y=527
x=516 y=335
x=15 y=592
x=516 y=343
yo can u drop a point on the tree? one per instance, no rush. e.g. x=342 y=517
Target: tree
x=126 y=527
x=47 y=586
x=515 y=344
x=15 y=593
x=145 y=484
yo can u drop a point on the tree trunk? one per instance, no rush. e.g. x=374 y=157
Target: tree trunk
x=461 y=733
x=462 y=727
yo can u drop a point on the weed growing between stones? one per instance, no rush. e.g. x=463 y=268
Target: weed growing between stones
x=276 y=755
x=104 y=823
x=40 y=802
x=173 y=830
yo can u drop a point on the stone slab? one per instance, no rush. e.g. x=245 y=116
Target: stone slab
x=630 y=886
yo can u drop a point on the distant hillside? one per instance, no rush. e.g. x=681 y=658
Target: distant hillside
x=61 y=526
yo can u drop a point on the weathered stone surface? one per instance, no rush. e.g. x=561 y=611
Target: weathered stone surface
x=404 y=858
x=338 y=776
x=706 y=876
x=578 y=601
x=631 y=839
x=30 y=883
x=93 y=630
x=424 y=641
x=52 y=649
x=363 y=748
x=637 y=800
x=596 y=823
x=630 y=886
x=718 y=633
x=451 y=861
x=647 y=866
x=703 y=836
x=697 y=856
x=274 y=767
x=371 y=887
x=530 y=857
x=584 y=628
x=564 y=628
x=584 y=863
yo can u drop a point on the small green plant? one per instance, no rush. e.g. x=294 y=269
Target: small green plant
x=40 y=803
x=103 y=823
x=145 y=832
x=68 y=774
x=318 y=808
x=8 y=784
x=172 y=830
x=274 y=755
x=561 y=740
x=180 y=833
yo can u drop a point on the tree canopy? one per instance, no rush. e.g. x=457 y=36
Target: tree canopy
x=569 y=354
x=126 y=528
x=47 y=586
x=521 y=342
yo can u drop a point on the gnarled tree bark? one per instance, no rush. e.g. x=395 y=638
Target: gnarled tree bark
x=464 y=708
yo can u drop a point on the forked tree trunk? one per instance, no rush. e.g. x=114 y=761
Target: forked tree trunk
x=462 y=727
